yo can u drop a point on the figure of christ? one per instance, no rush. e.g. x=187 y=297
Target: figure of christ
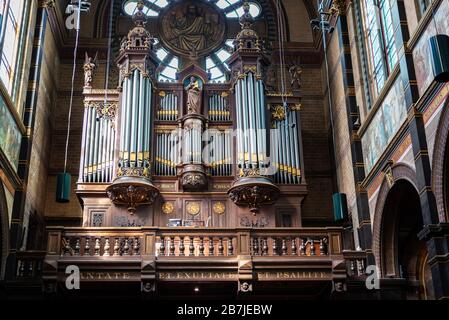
x=190 y=29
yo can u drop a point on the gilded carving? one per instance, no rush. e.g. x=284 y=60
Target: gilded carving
x=219 y=208
x=193 y=208
x=168 y=207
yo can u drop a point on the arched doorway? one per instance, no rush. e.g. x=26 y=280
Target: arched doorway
x=440 y=164
x=402 y=254
x=4 y=231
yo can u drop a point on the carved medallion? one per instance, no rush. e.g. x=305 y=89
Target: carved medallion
x=192 y=28
x=193 y=208
x=168 y=208
x=219 y=208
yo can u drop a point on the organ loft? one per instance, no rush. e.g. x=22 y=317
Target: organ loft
x=191 y=151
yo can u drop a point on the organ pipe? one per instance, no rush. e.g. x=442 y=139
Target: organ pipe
x=97 y=147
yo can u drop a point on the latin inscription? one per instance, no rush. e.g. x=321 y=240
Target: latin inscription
x=297 y=275
x=197 y=276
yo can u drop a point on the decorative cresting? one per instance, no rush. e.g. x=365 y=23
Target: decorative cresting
x=253 y=188
x=132 y=186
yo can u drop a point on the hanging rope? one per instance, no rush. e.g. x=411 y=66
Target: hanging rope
x=281 y=34
x=75 y=51
x=106 y=86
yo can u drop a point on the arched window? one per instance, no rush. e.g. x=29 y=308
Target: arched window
x=379 y=36
x=215 y=62
x=12 y=18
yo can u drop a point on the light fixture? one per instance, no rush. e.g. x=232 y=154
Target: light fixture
x=196 y=289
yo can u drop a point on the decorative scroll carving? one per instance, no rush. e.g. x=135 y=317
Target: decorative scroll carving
x=278 y=113
x=192 y=28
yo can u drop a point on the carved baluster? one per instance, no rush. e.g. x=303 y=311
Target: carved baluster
x=191 y=247
x=293 y=247
x=30 y=268
x=67 y=246
x=77 y=247
x=302 y=248
x=162 y=247
x=21 y=268
x=322 y=247
x=361 y=267
x=126 y=248
x=97 y=247
x=87 y=247
x=256 y=246
x=264 y=246
x=172 y=246
x=220 y=246
x=181 y=246
x=201 y=246
x=136 y=247
x=275 y=248
x=211 y=246
x=230 y=247
x=116 y=247
x=107 y=246
x=284 y=247
x=352 y=267
x=312 y=247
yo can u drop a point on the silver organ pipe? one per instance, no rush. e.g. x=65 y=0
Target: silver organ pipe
x=97 y=146
x=82 y=173
x=218 y=110
x=285 y=147
x=251 y=122
x=220 y=153
x=168 y=107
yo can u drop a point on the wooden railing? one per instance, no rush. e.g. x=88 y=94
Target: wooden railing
x=29 y=264
x=355 y=263
x=194 y=242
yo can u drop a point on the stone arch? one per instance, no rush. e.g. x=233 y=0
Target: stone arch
x=440 y=164
x=400 y=171
x=4 y=230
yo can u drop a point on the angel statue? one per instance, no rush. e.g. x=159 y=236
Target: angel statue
x=295 y=75
x=89 y=66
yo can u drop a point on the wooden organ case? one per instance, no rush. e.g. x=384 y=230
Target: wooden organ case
x=192 y=152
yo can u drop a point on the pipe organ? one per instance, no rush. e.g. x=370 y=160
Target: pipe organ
x=219 y=108
x=97 y=156
x=168 y=107
x=135 y=128
x=192 y=150
x=285 y=149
